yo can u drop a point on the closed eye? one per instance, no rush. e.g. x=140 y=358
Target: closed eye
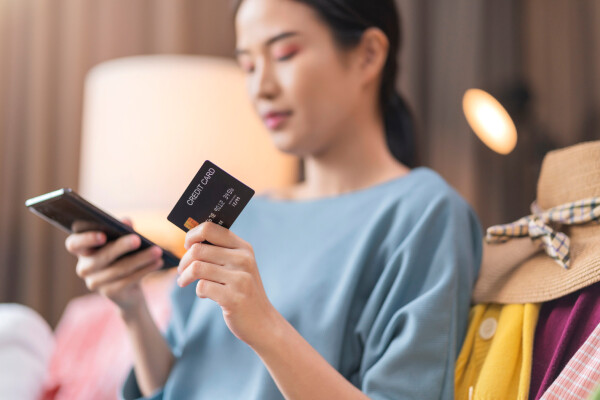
x=287 y=56
x=248 y=70
x=245 y=64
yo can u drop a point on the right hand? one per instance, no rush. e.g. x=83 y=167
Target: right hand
x=118 y=280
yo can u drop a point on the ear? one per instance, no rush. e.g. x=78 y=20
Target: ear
x=373 y=53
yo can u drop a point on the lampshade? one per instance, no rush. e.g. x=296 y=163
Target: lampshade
x=149 y=124
x=490 y=121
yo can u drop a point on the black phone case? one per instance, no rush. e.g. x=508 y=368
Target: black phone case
x=70 y=212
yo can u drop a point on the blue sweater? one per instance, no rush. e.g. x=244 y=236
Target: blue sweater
x=378 y=281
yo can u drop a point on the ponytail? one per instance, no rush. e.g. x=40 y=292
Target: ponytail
x=399 y=130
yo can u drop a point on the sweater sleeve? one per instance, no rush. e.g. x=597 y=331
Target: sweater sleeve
x=414 y=321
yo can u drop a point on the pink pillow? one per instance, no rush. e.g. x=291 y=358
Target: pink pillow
x=92 y=355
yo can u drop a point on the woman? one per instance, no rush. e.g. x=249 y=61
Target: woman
x=352 y=284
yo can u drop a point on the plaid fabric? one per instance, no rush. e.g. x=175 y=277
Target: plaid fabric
x=581 y=375
x=539 y=226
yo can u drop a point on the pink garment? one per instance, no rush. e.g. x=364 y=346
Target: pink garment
x=581 y=375
x=92 y=356
x=563 y=326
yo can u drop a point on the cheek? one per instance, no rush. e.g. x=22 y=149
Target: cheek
x=319 y=90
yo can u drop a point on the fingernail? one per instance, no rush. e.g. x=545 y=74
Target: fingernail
x=157 y=251
x=134 y=240
x=100 y=237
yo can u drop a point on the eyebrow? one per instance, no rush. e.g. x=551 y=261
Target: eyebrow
x=269 y=42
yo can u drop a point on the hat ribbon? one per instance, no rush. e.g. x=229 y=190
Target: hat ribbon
x=539 y=227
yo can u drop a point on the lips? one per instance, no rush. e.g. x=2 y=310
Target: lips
x=275 y=119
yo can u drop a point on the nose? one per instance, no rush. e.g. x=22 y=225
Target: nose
x=263 y=84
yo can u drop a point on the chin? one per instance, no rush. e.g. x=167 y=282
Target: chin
x=285 y=147
x=292 y=142
x=284 y=141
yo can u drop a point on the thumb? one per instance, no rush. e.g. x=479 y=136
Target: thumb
x=127 y=221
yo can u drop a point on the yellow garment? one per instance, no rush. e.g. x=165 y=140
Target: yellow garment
x=595 y=395
x=495 y=360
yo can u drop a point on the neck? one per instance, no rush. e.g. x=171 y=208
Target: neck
x=358 y=159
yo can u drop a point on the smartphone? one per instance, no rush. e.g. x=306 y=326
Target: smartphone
x=70 y=212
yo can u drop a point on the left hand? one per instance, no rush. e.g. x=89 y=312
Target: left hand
x=227 y=273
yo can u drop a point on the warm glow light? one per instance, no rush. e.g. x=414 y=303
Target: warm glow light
x=490 y=121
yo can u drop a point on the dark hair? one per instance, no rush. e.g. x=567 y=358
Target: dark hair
x=348 y=20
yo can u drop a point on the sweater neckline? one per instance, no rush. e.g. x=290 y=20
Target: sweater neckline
x=348 y=195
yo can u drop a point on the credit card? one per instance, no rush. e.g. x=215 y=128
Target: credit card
x=213 y=195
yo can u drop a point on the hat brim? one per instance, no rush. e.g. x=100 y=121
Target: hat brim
x=540 y=278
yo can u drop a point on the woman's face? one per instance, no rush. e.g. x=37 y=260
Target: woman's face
x=303 y=86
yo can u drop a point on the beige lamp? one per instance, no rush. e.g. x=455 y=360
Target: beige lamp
x=149 y=124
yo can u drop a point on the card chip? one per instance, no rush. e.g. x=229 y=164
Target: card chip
x=191 y=223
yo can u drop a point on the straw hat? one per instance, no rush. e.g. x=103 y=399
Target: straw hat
x=516 y=271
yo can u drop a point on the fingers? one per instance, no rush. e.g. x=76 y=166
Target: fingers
x=215 y=234
x=115 y=249
x=208 y=253
x=124 y=267
x=127 y=221
x=203 y=270
x=83 y=244
x=113 y=288
x=108 y=254
x=206 y=289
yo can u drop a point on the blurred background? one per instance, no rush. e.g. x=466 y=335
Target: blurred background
x=540 y=58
